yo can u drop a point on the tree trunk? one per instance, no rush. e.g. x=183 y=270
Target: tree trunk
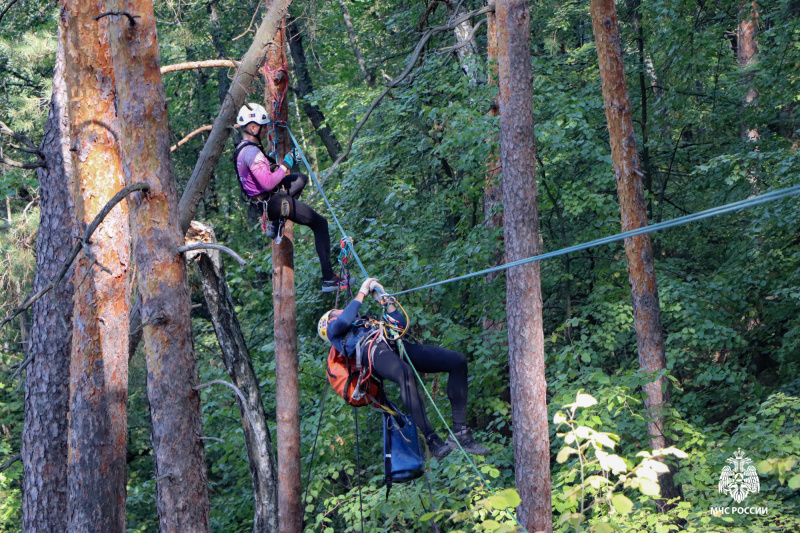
x=493 y=189
x=643 y=88
x=290 y=506
x=99 y=365
x=747 y=56
x=219 y=46
x=351 y=33
x=304 y=87
x=524 y=293
x=466 y=49
x=44 y=435
x=181 y=482
x=638 y=250
x=240 y=369
x=212 y=150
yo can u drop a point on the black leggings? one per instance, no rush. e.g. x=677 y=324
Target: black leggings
x=302 y=214
x=388 y=365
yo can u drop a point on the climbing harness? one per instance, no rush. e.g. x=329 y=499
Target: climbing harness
x=277 y=201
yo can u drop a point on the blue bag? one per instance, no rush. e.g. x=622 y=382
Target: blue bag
x=403 y=459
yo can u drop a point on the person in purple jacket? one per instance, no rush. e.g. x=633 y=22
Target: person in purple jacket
x=343 y=329
x=261 y=177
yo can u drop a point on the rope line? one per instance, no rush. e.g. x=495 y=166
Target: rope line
x=325 y=197
x=313 y=451
x=358 y=471
x=734 y=206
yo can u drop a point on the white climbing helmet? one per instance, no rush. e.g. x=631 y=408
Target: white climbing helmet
x=324 y=321
x=252 y=113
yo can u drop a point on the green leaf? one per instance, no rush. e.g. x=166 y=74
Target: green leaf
x=505 y=499
x=648 y=487
x=603 y=527
x=564 y=454
x=622 y=504
x=585 y=400
x=794 y=483
x=427 y=516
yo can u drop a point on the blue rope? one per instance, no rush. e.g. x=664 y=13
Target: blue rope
x=324 y=197
x=727 y=208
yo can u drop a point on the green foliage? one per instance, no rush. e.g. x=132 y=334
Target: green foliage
x=412 y=195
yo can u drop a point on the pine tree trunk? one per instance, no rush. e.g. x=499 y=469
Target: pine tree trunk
x=305 y=88
x=290 y=506
x=181 y=482
x=638 y=250
x=44 y=435
x=524 y=303
x=240 y=369
x=99 y=364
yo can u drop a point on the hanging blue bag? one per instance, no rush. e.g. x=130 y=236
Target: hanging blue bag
x=403 y=459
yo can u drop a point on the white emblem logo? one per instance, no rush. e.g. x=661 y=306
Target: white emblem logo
x=740 y=481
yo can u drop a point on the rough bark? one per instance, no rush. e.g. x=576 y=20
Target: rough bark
x=44 y=436
x=240 y=369
x=351 y=34
x=524 y=303
x=290 y=505
x=638 y=250
x=304 y=88
x=466 y=50
x=238 y=91
x=99 y=364
x=181 y=482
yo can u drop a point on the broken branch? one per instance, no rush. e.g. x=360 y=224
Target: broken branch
x=186 y=139
x=195 y=65
x=201 y=246
x=131 y=18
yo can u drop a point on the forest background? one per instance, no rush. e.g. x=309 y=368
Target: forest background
x=413 y=195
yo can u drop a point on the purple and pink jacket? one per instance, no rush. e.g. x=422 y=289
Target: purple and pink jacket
x=255 y=173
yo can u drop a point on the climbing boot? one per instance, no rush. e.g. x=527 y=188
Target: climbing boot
x=438 y=449
x=272 y=229
x=467 y=442
x=336 y=283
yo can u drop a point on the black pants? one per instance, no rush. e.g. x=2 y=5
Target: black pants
x=426 y=359
x=302 y=214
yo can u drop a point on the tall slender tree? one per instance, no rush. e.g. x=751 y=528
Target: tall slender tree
x=638 y=250
x=304 y=88
x=99 y=363
x=523 y=283
x=181 y=481
x=351 y=34
x=44 y=436
x=287 y=400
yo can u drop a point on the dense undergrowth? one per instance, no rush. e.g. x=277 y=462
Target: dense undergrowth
x=412 y=196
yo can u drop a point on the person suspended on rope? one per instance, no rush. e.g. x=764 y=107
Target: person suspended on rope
x=344 y=329
x=263 y=179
